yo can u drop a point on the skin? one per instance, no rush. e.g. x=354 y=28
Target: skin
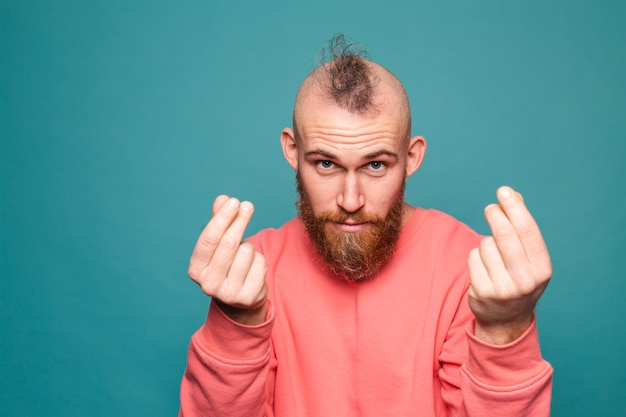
x=508 y=271
x=358 y=162
x=227 y=269
x=352 y=162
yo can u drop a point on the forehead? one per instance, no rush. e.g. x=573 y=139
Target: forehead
x=321 y=124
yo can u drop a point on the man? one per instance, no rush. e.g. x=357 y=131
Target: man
x=365 y=305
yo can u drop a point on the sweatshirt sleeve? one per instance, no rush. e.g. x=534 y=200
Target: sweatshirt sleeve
x=228 y=367
x=506 y=380
x=479 y=379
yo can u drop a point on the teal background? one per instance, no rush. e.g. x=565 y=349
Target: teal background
x=120 y=121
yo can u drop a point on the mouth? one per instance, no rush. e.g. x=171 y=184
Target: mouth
x=350 y=227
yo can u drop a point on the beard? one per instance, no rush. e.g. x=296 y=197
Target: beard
x=354 y=256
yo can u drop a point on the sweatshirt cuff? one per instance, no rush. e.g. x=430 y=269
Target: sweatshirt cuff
x=505 y=365
x=232 y=340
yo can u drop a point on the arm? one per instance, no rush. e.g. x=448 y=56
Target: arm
x=230 y=369
x=506 y=380
x=508 y=273
x=482 y=379
x=229 y=357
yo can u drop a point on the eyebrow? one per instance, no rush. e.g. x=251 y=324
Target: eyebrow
x=320 y=153
x=376 y=154
x=369 y=156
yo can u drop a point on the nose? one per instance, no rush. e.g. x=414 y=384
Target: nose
x=350 y=197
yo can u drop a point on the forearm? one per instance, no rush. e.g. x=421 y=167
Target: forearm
x=227 y=369
x=212 y=386
x=506 y=380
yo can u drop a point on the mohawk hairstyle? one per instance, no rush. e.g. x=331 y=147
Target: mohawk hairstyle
x=348 y=76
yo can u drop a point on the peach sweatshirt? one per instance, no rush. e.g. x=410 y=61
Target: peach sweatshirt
x=400 y=344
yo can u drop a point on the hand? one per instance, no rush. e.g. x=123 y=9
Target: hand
x=508 y=272
x=227 y=269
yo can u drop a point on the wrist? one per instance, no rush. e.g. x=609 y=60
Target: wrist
x=245 y=316
x=501 y=333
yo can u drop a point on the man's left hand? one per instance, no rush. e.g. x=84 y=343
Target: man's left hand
x=508 y=271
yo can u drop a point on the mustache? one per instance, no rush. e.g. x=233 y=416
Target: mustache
x=344 y=216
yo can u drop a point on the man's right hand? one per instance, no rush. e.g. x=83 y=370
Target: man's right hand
x=227 y=269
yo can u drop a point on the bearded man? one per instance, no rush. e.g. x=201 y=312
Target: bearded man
x=364 y=305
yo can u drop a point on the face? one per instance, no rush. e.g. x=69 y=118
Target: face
x=351 y=172
x=353 y=255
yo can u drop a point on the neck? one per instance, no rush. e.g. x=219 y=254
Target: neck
x=407 y=213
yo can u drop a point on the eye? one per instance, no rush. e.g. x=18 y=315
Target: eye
x=377 y=165
x=325 y=164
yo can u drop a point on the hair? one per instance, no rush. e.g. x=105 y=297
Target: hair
x=346 y=75
x=348 y=79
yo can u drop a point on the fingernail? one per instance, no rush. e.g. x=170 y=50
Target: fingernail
x=233 y=204
x=505 y=192
x=246 y=206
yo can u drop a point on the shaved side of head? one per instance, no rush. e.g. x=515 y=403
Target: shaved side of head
x=347 y=79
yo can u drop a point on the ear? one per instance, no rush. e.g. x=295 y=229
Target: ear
x=415 y=154
x=290 y=147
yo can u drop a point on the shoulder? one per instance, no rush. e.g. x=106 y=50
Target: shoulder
x=438 y=237
x=437 y=225
x=271 y=239
x=445 y=223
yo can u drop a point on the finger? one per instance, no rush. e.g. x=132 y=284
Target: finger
x=494 y=265
x=211 y=236
x=254 y=289
x=525 y=226
x=239 y=269
x=480 y=283
x=507 y=240
x=219 y=202
x=231 y=240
